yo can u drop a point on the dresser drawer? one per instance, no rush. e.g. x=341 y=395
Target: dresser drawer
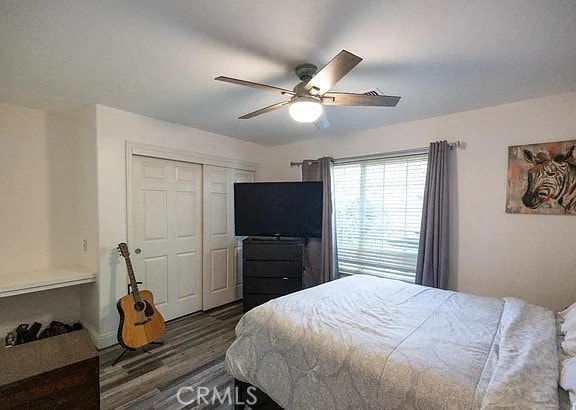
x=272 y=286
x=272 y=269
x=272 y=252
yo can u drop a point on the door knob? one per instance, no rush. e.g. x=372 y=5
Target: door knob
x=137 y=251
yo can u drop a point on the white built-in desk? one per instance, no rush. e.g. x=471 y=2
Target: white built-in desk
x=18 y=283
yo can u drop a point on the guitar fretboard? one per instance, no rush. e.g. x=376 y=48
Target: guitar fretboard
x=133 y=283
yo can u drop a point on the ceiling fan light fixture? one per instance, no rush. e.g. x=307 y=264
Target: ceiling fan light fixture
x=313 y=91
x=305 y=109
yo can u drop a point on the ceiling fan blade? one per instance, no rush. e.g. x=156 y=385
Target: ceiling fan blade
x=259 y=86
x=360 y=99
x=332 y=72
x=322 y=122
x=264 y=110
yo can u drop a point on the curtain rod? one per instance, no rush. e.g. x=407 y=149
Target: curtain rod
x=415 y=151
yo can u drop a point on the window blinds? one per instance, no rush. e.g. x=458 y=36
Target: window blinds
x=378 y=214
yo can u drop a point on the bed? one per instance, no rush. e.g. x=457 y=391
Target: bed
x=370 y=343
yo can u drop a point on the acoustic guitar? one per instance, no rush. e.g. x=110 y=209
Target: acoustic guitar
x=140 y=321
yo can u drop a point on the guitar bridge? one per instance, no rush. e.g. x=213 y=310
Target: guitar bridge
x=142 y=322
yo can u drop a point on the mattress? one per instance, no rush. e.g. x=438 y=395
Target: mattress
x=370 y=343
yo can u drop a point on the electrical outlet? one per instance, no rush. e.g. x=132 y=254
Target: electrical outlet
x=85 y=245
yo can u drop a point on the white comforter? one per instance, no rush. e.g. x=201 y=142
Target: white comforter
x=371 y=343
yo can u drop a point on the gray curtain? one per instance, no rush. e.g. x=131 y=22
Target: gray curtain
x=321 y=254
x=432 y=266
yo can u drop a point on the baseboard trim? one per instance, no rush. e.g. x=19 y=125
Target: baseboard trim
x=102 y=341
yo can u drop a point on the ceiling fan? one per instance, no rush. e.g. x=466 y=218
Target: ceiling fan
x=308 y=96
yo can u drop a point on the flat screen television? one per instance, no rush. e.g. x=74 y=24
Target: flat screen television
x=288 y=209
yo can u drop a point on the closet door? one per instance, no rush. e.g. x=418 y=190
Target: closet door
x=166 y=233
x=222 y=264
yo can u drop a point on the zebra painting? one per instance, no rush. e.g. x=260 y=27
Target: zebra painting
x=542 y=178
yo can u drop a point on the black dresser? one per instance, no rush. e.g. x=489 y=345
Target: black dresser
x=271 y=268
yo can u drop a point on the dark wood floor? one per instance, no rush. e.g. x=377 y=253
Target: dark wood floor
x=192 y=356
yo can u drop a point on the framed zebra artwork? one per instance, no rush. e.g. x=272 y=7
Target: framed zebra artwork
x=542 y=179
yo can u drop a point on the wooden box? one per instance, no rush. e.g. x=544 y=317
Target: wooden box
x=61 y=372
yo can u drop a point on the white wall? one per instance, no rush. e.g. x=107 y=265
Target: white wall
x=86 y=199
x=24 y=216
x=41 y=218
x=493 y=253
x=86 y=203
x=114 y=127
x=71 y=154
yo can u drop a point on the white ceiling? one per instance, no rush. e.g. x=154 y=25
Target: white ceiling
x=159 y=58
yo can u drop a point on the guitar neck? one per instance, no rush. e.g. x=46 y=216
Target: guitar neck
x=132 y=277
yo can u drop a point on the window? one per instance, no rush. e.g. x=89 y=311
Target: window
x=378 y=207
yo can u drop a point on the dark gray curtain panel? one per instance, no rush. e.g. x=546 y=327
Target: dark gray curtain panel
x=432 y=266
x=321 y=254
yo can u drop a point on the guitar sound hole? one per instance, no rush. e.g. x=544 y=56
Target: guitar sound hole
x=139 y=306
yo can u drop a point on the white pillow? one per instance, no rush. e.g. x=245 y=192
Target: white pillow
x=569 y=321
x=566 y=311
x=568 y=378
